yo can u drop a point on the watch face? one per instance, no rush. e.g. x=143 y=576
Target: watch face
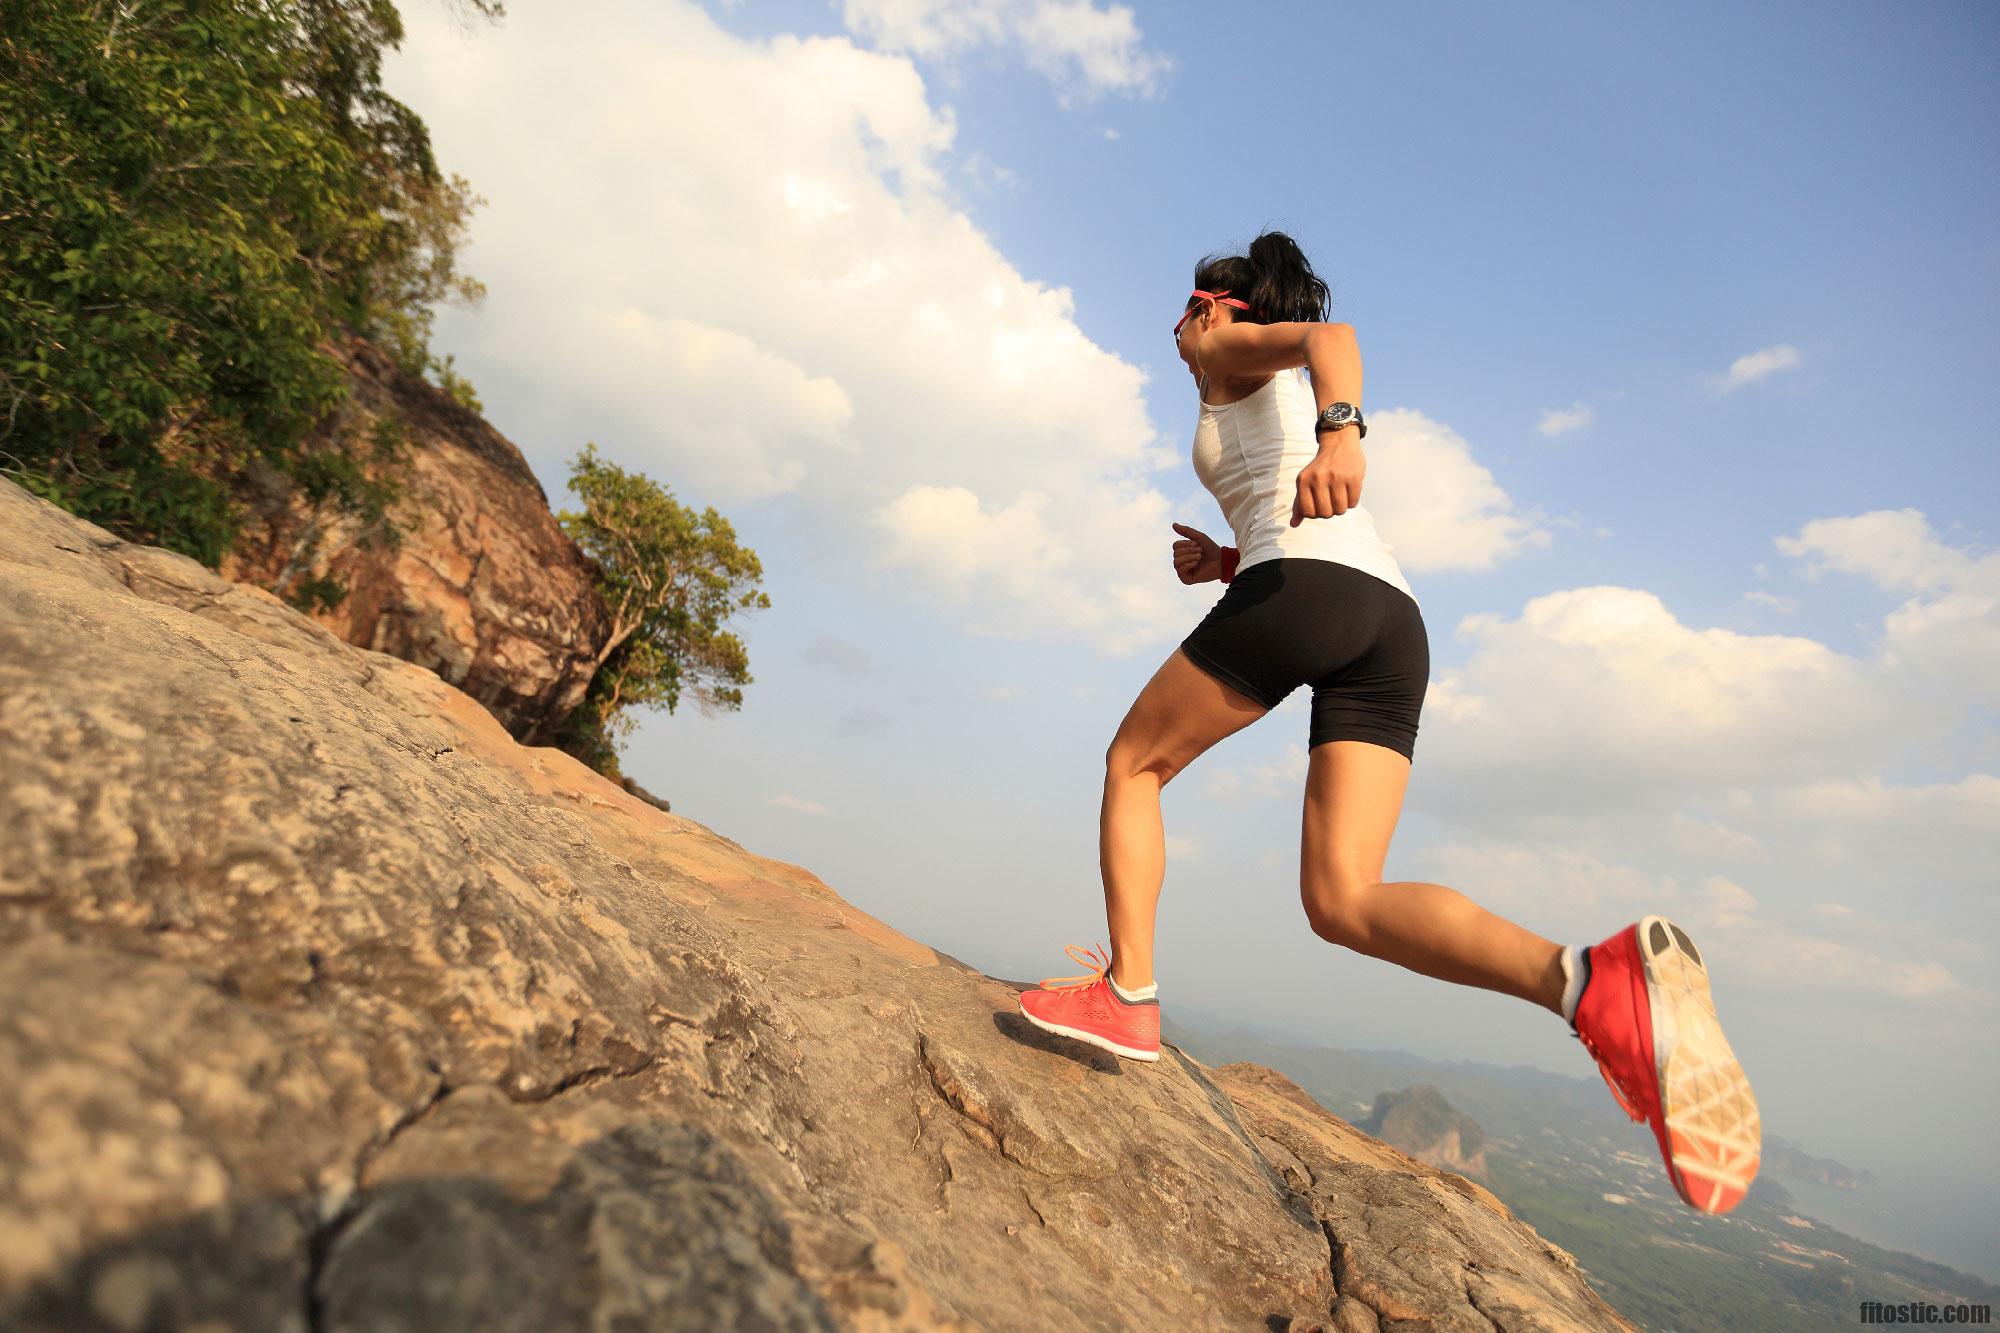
x=1338 y=412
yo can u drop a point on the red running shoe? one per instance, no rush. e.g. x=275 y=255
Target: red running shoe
x=1088 y=1009
x=1646 y=1016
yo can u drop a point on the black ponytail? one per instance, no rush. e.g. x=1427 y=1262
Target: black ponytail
x=1275 y=278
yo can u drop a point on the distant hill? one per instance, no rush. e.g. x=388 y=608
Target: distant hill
x=1423 y=1124
x=1788 y=1159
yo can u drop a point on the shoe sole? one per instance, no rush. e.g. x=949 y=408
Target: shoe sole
x=1129 y=1052
x=1711 y=1133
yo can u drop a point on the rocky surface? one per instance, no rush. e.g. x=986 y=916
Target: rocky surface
x=485 y=589
x=324 y=1004
x=1413 y=1247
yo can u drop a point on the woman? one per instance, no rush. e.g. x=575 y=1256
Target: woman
x=1315 y=597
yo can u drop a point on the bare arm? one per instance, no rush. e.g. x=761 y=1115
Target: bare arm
x=1329 y=352
x=1334 y=362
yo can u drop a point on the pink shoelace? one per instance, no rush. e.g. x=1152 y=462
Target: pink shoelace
x=1091 y=978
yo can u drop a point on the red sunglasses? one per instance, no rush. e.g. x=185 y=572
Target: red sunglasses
x=1223 y=296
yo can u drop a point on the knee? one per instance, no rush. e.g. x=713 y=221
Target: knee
x=1337 y=904
x=1124 y=760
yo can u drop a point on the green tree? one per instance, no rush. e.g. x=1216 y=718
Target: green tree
x=405 y=261
x=670 y=578
x=197 y=197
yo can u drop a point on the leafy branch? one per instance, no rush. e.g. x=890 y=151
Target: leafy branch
x=670 y=578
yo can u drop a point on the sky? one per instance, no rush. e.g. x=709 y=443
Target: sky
x=1678 y=333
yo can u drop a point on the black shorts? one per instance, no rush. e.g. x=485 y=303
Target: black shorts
x=1357 y=640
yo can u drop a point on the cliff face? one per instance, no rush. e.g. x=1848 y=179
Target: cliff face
x=324 y=1004
x=486 y=588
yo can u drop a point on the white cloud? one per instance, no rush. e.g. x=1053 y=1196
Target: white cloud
x=1536 y=879
x=1073 y=41
x=1181 y=849
x=1286 y=776
x=1599 y=697
x=1758 y=597
x=1017 y=566
x=1711 y=838
x=1084 y=49
x=1897 y=549
x=798 y=803
x=1558 y=421
x=1946 y=638
x=739 y=410
x=1431 y=501
x=1754 y=366
x=987 y=175
x=1970 y=805
x=1767 y=950
x=737 y=260
x=1938 y=834
x=1548 y=883
x=925 y=27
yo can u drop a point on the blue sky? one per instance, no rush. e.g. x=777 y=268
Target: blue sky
x=1678 y=334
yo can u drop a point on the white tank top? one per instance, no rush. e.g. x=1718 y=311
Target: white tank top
x=1249 y=454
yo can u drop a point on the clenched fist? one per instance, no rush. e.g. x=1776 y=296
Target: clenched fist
x=1197 y=559
x=1330 y=485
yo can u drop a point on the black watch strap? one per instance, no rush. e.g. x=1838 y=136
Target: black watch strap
x=1361 y=427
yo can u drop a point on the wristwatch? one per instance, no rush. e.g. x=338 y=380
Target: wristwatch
x=1337 y=415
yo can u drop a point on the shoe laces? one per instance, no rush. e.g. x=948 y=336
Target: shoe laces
x=1096 y=974
x=1625 y=1096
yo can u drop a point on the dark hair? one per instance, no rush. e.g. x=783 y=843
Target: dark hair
x=1274 y=278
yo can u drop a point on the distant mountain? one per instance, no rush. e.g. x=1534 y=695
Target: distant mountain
x=1788 y=1159
x=1423 y=1124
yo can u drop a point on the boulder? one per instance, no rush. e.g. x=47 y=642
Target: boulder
x=485 y=588
x=325 y=1004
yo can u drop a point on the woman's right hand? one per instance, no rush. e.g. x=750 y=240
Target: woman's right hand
x=1197 y=559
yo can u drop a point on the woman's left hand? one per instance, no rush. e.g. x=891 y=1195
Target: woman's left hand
x=1331 y=484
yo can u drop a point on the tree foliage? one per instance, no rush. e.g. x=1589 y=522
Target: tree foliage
x=670 y=578
x=197 y=198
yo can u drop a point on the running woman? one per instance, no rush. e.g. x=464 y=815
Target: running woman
x=1316 y=597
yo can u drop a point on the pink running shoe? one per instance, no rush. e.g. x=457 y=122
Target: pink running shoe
x=1645 y=1015
x=1088 y=1009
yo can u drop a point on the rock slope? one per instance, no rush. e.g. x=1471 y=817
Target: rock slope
x=324 y=1004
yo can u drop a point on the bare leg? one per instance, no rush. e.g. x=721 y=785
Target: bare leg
x=1132 y=854
x=1354 y=794
x=1439 y=932
x=1182 y=711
